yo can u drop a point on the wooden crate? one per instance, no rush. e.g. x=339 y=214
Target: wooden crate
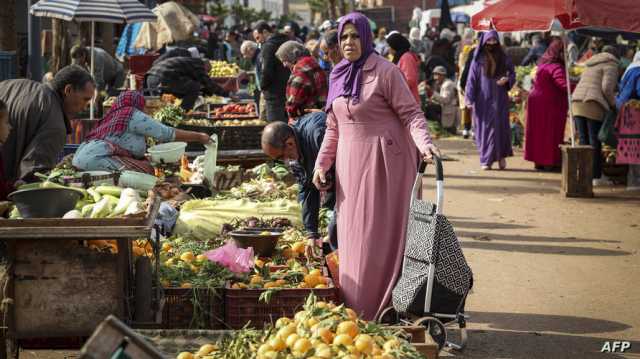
x=577 y=171
x=421 y=340
x=113 y=339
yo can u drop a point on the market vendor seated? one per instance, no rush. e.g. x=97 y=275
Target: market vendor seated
x=119 y=140
x=183 y=77
x=298 y=146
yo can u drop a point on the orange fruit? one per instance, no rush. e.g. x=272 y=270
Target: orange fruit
x=349 y=328
x=342 y=339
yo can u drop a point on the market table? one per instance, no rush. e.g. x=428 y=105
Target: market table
x=57 y=288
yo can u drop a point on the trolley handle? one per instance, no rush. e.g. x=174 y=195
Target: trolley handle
x=438 y=164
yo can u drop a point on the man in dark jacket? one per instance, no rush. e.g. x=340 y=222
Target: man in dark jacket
x=39 y=117
x=298 y=146
x=273 y=76
x=183 y=77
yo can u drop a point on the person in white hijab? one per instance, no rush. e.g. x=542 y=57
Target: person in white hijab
x=416 y=18
x=420 y=46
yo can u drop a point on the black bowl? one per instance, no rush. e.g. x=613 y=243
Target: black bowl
x=263 y=245
x=45 y=202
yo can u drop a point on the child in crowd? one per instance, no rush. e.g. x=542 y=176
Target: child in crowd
x=517 y=132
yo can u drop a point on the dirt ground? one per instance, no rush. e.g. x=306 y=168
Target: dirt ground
x=554 y=277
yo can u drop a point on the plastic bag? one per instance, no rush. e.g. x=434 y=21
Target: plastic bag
x=210 y=159
x=237 y=260
x=607 y=134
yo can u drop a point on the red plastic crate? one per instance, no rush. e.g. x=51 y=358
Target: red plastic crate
x=140 y=64
x=242 y=305
x=193 y=308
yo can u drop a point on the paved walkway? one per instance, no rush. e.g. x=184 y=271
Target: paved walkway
x=554 y=277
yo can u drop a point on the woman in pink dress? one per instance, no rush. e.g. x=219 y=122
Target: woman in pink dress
x=373 y=127
x=547 y=110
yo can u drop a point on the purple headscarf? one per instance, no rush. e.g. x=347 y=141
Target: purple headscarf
x=346 y=77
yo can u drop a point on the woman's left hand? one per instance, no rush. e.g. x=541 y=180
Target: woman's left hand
x=431 y=150
x=204 y=138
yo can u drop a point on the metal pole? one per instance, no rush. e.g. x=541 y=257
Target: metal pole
x=34 y=70
x=565 y=40
x=93 y=39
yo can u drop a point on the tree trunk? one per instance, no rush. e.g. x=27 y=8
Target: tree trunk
x=8 y=35
x=332 y=10
x=343 y=7
x=57 y=28
x=61 y=45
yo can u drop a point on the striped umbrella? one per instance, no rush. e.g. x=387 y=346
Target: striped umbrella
x=111 y=11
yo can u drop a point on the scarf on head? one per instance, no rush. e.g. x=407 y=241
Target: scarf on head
x=115 y=122
x=554 y=53
x=400 y=44
x=346 y=77
x=634 y=63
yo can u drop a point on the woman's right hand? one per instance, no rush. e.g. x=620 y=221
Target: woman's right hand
x=320 y=180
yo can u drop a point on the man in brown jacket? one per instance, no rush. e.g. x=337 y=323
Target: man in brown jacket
x=594 y=96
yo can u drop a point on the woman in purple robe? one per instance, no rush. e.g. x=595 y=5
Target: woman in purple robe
x=491 y=76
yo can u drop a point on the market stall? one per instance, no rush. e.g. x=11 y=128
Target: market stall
x=66 y=274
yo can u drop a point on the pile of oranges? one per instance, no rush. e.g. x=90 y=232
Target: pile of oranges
x=320 y=331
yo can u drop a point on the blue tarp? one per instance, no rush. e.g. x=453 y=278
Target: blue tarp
x=128 y=39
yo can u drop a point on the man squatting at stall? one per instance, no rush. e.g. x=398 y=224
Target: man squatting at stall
x=297 y=145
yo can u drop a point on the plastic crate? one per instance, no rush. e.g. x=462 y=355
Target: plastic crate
x=242 y=305
x=229 y=137
x=140 y=64
x=333 y=266
x=193 y=308
x=8 y=65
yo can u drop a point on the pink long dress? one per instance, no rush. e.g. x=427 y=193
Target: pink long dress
x=373 y=145
x=546 y=116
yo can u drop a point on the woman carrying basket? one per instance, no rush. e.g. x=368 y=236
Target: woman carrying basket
x=373 y=127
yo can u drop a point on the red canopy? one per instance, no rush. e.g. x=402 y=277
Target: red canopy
x=538 y=15
x=525 y=15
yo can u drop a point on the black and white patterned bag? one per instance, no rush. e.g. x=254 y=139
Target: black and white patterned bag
x=431 y=239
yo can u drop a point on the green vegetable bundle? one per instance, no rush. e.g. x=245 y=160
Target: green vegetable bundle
x=170 y=115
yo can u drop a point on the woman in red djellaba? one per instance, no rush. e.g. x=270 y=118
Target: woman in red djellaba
x=547 y=110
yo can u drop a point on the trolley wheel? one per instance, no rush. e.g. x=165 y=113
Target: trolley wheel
x=389 y=316
x=435 y=328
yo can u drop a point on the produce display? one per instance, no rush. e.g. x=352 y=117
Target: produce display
x=261 y=190
x=171 y=115
x=214 y=99
x=224 y=123
x=320 y=330
x=97 y=202
x=223 y=69
x=108 y=202
x=523 y=71
x=294 y=276
x=235 y=109
x=185 y=265
x=204 y=218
